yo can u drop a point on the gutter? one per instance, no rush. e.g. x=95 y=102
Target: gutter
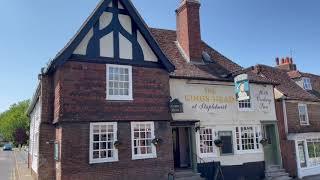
x=34 y=100
x=285 y=116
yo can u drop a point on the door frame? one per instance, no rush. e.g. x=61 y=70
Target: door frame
x=276 y=144
x=192 y=141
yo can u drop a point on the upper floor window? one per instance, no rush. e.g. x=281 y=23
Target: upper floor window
x=102 y=139
x=142 y=134
x=119 y=82
x=303 y=114
x=307 y=84
x=247 y=138
x=244 y=105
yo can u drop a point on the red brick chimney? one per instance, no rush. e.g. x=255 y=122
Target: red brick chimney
x=286 y=64
x=188 y=29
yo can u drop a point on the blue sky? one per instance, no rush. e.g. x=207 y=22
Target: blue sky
x=247 y=31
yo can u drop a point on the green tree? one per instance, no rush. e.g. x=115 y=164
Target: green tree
x=14 y=123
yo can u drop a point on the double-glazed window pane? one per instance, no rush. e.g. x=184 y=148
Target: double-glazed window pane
x=206 y=140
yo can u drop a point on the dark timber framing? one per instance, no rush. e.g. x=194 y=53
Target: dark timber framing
x=93 y=55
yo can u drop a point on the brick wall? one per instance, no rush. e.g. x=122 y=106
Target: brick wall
x=287 y=147
x=75 y=155
x=46 y=167
x=82 y=88
x=294 y=121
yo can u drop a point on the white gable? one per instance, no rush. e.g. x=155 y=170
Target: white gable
x=147 y=51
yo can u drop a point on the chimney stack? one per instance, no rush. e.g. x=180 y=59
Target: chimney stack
x=188 y=29
x=286 y=64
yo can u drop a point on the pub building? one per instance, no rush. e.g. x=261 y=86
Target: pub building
x=125 y=101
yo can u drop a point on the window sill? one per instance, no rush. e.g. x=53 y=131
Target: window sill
x=245 y=110
x=304 y=124
x=100 y=161
x=151 y=156
x=119 y=99
x=248 y=151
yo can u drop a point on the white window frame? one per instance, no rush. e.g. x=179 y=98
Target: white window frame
x=214 y=150
x=245 y=109
x=153 y=147
x=257 y=130
x=104 y=160
x=307 y=85
x=312 y=162
x=303 y=123
x=119 y=97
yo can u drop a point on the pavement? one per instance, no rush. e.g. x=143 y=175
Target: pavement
x=21 y=161
x=7 y=165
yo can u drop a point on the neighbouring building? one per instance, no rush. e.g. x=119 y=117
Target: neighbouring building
x=125 y=101
x=206 y=110
x=298 y=111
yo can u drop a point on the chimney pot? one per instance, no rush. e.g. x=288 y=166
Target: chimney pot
x=277 y=61
x=282 y=61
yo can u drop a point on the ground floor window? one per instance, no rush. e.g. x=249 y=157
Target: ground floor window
x=247 y=138
x=314 y=151
x=226 y=138
x=102 y=138
x=206 y=141
x=142 y=134
x=302 y=154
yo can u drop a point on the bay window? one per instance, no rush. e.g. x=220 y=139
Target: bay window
x=102 y=138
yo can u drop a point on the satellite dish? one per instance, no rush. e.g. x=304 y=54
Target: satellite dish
x=206 y=57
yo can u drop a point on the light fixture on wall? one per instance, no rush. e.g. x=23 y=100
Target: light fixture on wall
x=156 y=141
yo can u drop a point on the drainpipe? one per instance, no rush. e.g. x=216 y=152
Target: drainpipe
x=285 y=117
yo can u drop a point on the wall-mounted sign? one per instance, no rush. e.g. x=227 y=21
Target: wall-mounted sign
x=176 y=106
x=209 y=100
x=56 y=151
x=242 y=87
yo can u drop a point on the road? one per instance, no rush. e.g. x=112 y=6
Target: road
x=7 y=165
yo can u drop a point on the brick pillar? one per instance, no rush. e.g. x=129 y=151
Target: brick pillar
x=46 y=167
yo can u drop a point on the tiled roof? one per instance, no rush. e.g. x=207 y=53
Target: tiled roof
x=216 y=70
x=315 y=80
x=285 y=84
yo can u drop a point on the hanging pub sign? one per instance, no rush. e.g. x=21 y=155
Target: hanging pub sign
x=176 y=106
x=242 y=87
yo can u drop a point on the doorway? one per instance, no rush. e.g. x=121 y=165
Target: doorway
x=182 y=150
x=271 y=148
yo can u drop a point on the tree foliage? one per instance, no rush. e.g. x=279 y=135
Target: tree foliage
x=14 y=123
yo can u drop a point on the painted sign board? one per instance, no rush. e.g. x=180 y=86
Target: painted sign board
x=242 y=87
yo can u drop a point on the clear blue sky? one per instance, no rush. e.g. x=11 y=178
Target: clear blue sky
x=247 y=31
